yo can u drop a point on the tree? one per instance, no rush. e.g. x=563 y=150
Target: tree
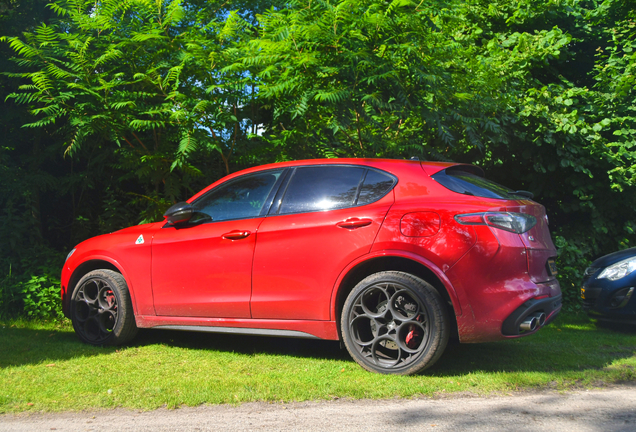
x=368 y=78
x=136 y=104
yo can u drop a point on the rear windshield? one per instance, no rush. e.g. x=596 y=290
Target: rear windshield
x=461 y=181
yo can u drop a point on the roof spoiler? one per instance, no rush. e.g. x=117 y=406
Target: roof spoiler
x=432 y=168
x=472 y=169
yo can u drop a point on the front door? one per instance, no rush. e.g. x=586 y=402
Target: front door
x=203 y=268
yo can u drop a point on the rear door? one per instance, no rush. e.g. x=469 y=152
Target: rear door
x=325 y=217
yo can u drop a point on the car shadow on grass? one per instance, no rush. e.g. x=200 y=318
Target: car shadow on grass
x=24 y=346
x=244 y=344
x=619 y=327
x=557 y=348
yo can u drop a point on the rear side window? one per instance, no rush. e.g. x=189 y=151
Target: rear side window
x=322 y=188
x=376 y=184
x=459 y=180
x=331 y=187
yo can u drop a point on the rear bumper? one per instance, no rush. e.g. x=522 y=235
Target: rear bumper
x=550 y=306
x=498 y=310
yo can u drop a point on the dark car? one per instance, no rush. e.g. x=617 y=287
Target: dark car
x=388 y=256
x=608 y=287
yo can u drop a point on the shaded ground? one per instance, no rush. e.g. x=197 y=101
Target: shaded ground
x=611 y=409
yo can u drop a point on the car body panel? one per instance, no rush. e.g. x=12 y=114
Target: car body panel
x=443 y=248
x=413 y=194
x=495 y=282
x=613 y=258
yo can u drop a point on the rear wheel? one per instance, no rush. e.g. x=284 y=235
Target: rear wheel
x=395 y=323
x=101 y=309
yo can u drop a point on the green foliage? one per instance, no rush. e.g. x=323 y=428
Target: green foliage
x=571 y=262
x=131 y=74
x=366 y=78
x=41 y=297
x=7 y=295
x=133 y=105
x=566 y=122
x=34 y=291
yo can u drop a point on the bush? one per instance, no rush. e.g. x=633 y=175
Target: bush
x=572 y=261
x=41 y=297
x=31 y=287
x=35 y=298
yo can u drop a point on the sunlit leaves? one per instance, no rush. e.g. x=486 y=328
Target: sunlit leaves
x=356 y=75
x=127 y=74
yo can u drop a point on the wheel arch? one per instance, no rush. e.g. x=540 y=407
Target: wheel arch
x=369 y=265
x=79 y=272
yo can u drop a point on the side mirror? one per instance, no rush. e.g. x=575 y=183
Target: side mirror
x=179 y=213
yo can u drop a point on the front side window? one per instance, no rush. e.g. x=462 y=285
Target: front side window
x=240 y=198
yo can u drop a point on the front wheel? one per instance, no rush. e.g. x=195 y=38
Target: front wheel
x=101 y=309
x=395 y=323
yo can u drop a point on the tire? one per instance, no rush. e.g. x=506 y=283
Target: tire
x=101 y=309
x=395 y=323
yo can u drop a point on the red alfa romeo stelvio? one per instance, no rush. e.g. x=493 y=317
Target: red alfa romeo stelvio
x=389 y=256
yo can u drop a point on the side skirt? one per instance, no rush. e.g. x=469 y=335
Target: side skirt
x=261 y=327
x=239 y=330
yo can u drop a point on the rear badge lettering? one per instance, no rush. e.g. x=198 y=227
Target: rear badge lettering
x=140 y=240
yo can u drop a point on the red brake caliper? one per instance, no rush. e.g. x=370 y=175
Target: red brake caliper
x=110 y=298
x=411 y=336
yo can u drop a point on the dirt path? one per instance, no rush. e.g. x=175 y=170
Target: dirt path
x=594 y=410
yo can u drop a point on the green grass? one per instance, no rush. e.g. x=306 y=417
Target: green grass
x=44 y=367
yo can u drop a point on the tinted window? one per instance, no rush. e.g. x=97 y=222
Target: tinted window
x=238 y=199
x=468 y=183
x=375 y=186
x=322 y=188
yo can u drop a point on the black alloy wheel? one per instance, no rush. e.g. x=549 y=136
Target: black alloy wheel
x=101 y=309
x=395 y=323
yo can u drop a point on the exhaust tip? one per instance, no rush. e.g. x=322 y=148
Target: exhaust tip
x=541 y=318
x=529 y=324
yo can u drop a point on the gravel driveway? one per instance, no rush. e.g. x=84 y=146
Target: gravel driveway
x=587 y=410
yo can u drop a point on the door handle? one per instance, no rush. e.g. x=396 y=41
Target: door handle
x=353 y=223
x=236 y=235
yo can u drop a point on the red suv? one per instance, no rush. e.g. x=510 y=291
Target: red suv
x=389 y=256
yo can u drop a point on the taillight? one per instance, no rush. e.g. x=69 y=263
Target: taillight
x=507 y=221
